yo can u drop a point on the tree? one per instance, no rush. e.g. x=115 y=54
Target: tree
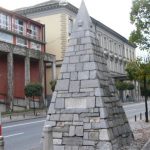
x=139 y=70
x=33 y=90
x=140 y=17
x=121 y=86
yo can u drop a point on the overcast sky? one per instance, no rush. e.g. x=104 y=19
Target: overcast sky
x=113 y=13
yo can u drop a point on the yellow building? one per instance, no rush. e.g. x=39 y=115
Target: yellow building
x=58 y=18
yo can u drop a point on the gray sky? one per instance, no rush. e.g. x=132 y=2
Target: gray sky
x=113 y=13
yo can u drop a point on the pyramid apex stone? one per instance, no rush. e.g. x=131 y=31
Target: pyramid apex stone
x=83 y=20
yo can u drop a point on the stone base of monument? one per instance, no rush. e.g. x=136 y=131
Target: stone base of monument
x=1 y=143
x=85 y=113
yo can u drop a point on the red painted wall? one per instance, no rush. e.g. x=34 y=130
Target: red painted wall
x=19 y=77
x=3 y=75
x=34 y=71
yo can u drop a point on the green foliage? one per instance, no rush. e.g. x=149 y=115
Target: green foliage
x=137 y=69
x=133 y=69
x=121 y=86
x=130 y=86
x=33 y=89
x=53 y=84
x=140 y=17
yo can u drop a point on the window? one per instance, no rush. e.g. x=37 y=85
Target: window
x=105 y=42
x=21 y=41
x=70 y=26
x=6 y=37
x=35 y=46
x=33 y=31
x=5 y=21
x=19 y=28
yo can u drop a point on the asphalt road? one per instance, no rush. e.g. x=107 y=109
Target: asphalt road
x=24 y=135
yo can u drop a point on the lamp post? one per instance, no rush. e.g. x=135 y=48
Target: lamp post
x=146 y=72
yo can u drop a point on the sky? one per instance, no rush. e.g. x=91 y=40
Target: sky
x=113 y=13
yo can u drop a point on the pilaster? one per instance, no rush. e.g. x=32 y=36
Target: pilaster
x=10 y=85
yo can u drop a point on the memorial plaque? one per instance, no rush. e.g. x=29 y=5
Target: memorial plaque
x=72 y=103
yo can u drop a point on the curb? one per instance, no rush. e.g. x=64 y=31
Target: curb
x=146 y=146
x=22 y=119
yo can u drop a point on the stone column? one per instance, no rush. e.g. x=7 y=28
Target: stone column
x=42 y=75
x=53 y=70
x=27 y=76
x=10 y=85
x=47 y=141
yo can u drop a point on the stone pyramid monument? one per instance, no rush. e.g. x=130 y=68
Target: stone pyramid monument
x=85 y=113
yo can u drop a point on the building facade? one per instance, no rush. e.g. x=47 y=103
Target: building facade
x=59 y=18
x=22 y=57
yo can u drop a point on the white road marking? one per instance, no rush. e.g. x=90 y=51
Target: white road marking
x=12 y=135
x=23 y=124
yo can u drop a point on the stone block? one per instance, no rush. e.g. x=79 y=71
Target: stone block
x=86 y=148
x=95 y=125
x=57 y=135
x=103 y=124
x=62 y=85
x=89 y=66
x=74 y=103
x=73 y=42
x=66 y=117
x=76 y=117
x=85 y=40
x=86 y=135
x=104 y=135
x=74 y=59
x=54 y=117
x=79 y=67
x=93 y=74
x=84 y=75
x=72 y=131
x=87 y=126
x=79 y=131
x=71 y=67
x=93 y=135
x=84 y=58
x=90 y=102
x=104 y=145
x=66 y=60
x=88 y=142
x=64 y=68
x=74 y=86
x=89 y=83
x=51 y=109
x=66 y=75
x=74 y=141
x=57 y=141
x=99 y=92
x=73 y=76
x=60 y=103
x=54 y=96
x=50 y=123
x=103 y=113
x=87 y=90
x=57 y=147
x=70 y=49
x=99 y=102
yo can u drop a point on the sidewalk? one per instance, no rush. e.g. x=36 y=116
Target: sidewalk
x=141 y=129
x=23 y=116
